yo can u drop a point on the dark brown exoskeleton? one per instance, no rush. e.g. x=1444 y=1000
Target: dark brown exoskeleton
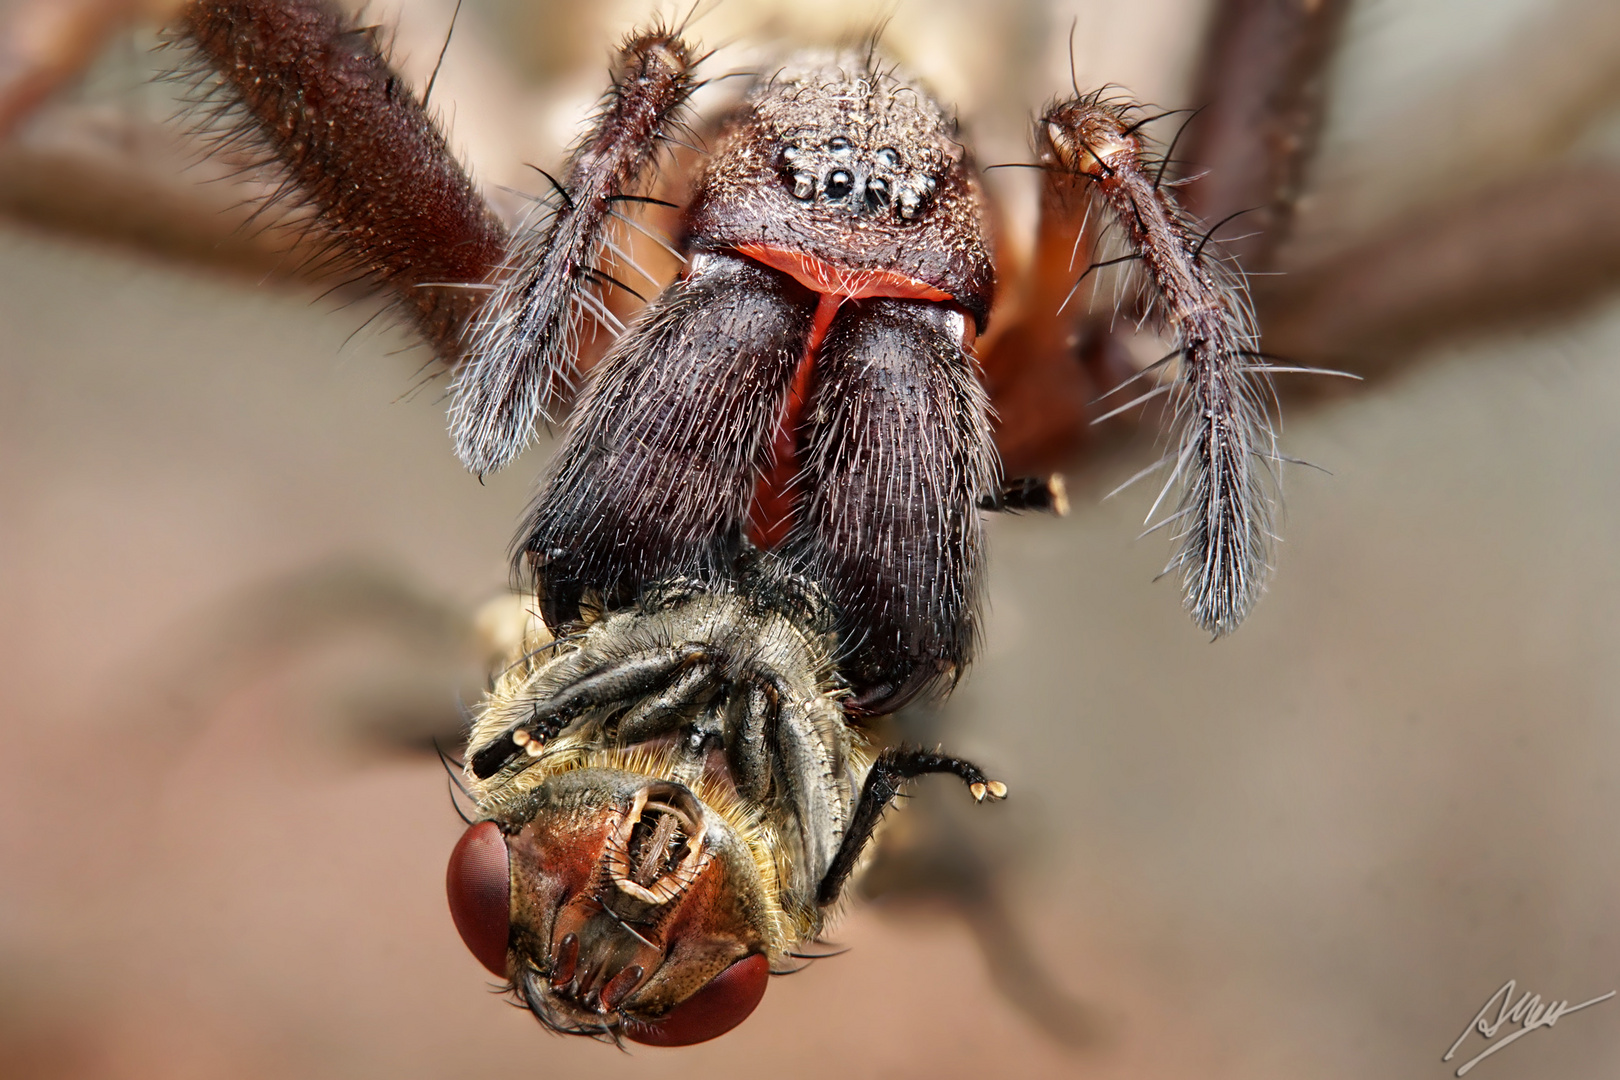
x=762 y=528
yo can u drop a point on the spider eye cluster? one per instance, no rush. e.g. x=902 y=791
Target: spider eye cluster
x=840 y=172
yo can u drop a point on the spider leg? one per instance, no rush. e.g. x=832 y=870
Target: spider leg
x=1260 y=92
x=896 y=452
x=893 y=768
x=1227 y=486
x=1518 y=253
x=521 y=364
x=657 y=473
x=1513 y=240
x=312 y=89
x=1044 y=370
x=48 y=43
x=1261 y=83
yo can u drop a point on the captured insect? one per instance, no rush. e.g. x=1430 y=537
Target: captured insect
x=675 y=802
x=762 y=529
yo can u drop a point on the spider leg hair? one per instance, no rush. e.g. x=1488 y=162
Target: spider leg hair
x=1228 y=492
x=521 y=354
x=896 y=453
x=312 y=92
x=656 y=475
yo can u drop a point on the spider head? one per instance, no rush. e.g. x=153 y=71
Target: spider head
x=840 y=172
x=623 y=907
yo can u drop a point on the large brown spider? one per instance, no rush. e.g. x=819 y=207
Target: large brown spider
x=807 y=377
x=1309 y=357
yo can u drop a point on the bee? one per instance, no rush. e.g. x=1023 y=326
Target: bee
x=671 y=801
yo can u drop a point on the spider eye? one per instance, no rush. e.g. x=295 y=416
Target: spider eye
x=721 y=1005
x=479 y=885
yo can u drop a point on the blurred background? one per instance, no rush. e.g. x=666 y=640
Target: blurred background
x=240 y=564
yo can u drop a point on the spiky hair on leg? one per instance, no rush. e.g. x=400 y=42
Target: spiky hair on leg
x=520 y=367
x=1223 y=458
x=364 y=171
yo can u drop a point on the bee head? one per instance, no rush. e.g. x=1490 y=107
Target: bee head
x=622 y=907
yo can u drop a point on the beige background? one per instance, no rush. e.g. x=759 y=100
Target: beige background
x=234 y=547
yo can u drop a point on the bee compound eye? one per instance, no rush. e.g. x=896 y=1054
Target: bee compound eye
x=478 y=882
x=723 y=1003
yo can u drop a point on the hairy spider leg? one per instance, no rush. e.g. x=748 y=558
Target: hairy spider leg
x=311 y=91
x=521 y=362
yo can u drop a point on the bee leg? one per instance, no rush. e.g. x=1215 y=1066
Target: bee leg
x=751 y=712
x=1047 y=494
x=634 y=678
x=657 y=474
x=812 y=772
x=658 y=715
x=897 y=452
x=893 y=768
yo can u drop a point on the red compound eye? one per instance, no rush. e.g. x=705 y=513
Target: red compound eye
x=711 y=1012
x=479 y=884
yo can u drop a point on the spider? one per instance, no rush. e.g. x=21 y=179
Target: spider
x=809 y=376
x=812 y=360
x=1189 y=133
